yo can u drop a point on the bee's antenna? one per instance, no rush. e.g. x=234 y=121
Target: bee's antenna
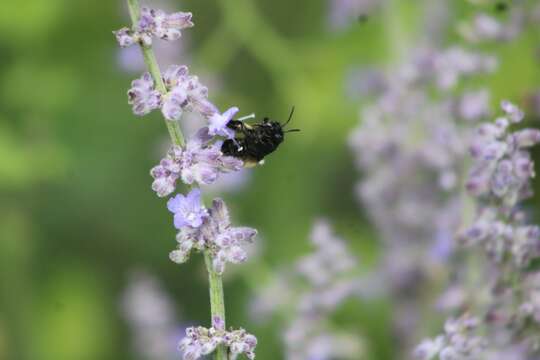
x=292 y=130
x=290 y=117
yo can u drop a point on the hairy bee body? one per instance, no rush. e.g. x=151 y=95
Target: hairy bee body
x=253 y=142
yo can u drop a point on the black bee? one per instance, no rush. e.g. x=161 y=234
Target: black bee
x=253 y=142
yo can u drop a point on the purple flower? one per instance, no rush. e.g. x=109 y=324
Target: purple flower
x=154 y=23
x=515 y=113
x=188 y=210
x=216 y=234
x=143 y=96
x=217 y=124
x=174 y=103
x=200 y=341
x=199 y=162
x=458 y=342
x=502 y=168
x=186 y=93
x=125 y=37
x=169 y=26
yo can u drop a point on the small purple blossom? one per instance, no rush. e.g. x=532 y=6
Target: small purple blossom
x=217 y=124
x=143 y=96
x=169 y=26
x=458 y=342
x=199 y=162
x=125 y=37
x=188 y=210
x=216 y=234
x=200 y=341
x=502 y=168
x=154 y=23
x=512 y=111
x=186 y=93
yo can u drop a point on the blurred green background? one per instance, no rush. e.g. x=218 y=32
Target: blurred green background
x=77 y=214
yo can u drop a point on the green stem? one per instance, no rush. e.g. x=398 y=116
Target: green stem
x=150 y=60
x=217 y=302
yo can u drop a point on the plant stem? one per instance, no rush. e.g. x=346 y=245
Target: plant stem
x=217 y=302
x=150 y=60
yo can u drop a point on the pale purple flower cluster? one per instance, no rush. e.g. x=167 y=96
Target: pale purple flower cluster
x=143 y=96
x=502 y=165
x=504 y=237
x=151 y=317
x=200 y=341
x=184 y=93
x=209 y=230
x=507 y=293
x=309 y=293
x=411 y=146
x=201 y=162
x=154 y=23
x=459 y=342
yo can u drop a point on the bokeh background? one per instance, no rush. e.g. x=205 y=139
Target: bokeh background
x=77 y=215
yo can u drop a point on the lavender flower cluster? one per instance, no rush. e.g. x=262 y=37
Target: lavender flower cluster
x=411 y=146
x=200 y=341
x=311 y=291
x=197 y=162
x=459 y=341
x=184 y=93
x=500 y=178
x=200 y=161
x=207 y=230
x=154 y=23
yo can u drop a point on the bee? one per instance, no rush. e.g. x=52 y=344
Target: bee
x=253 y=142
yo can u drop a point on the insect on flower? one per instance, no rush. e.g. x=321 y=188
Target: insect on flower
x=252 y=143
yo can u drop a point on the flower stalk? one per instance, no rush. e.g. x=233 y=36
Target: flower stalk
x=217 y=300
x=215 y=281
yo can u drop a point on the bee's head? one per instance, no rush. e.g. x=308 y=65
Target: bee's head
x=274 y=128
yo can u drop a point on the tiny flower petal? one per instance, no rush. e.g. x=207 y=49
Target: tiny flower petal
x=143 y=96
x=125 y=37
x=188 y=210
x=217 y=124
